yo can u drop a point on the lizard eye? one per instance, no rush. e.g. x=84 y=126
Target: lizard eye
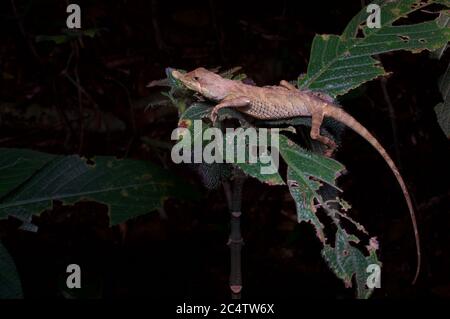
x=196 y=78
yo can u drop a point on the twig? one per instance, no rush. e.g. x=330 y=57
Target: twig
x=81 y=91
x=219 y=33
x=156 y=29
x=67 y=125
x=79 y=87
x=433 y=201
x=80 y=108
x=24 y=33
x=132 y=114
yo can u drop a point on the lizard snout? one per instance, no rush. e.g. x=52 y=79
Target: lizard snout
x=177 y=75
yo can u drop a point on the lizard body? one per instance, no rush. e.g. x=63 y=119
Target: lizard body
x=286 y=101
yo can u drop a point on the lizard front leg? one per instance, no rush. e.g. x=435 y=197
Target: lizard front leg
x=231 y=102
x=316 y=122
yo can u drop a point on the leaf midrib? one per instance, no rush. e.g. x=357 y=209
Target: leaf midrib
x=77 y=194
x=352 y=46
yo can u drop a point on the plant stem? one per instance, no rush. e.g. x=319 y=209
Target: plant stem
x=235 y=241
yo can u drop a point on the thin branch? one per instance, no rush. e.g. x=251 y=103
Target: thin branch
x=156 y=28
x=131 y=114
x=217 y=29
x=24 y=33
x=80 y=109
x=62 y=114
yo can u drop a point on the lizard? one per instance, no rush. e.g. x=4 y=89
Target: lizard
x=286 y=101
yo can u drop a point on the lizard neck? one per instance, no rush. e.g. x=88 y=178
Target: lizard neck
x=221 y=89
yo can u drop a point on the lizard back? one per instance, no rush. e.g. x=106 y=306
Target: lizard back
x=276 y=102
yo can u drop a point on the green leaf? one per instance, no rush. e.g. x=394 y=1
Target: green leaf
x=128 y=187
x=258 y=169
x=347 y=262
x=254 y=170
x=91 y=33
x=444 y=22
x=329 y=128
x=230 y=113
x=443 y=109
x=57 y=39
x=444 y=84
x=231 y=74
x=191 y=119
x=173 y=82
x=16 y=167
x=10 y=285
x=305 y=171
x=202 y=110
x=212 y=175
x=304 y=191
x=68 y=35
x=307 y=164
x=341 y=63
x=199 y=111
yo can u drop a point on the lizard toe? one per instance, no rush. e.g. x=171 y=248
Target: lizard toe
x=213 y=116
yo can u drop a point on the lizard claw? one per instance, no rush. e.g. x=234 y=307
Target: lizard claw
x=213 y=116
x=330 y=151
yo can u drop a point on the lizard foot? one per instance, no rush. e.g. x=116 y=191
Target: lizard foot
x=330 y=149
x=329 y=152
x=213 y=116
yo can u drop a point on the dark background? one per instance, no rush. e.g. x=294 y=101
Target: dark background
x=185 y=254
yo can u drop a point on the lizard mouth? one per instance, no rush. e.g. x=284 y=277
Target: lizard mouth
x=177 y=75
x=186 y=80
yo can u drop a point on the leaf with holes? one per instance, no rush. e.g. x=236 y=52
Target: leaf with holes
x=348 y=262
x=304 y=191
x=305 y=173
x=128 y=187
x=341 y=63
x=192 y=118
x=264 y=165
x=254 y=170
x=308 y=164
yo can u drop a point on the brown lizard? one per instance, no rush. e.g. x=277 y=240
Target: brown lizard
x=286 y=101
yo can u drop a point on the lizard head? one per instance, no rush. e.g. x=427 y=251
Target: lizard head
x=207 y=83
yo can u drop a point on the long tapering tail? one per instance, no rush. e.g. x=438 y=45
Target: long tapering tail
x=345 y=118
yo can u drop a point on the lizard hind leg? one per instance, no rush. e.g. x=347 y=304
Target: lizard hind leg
x=231 y=102
x=316 y=120
x=288 y=85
